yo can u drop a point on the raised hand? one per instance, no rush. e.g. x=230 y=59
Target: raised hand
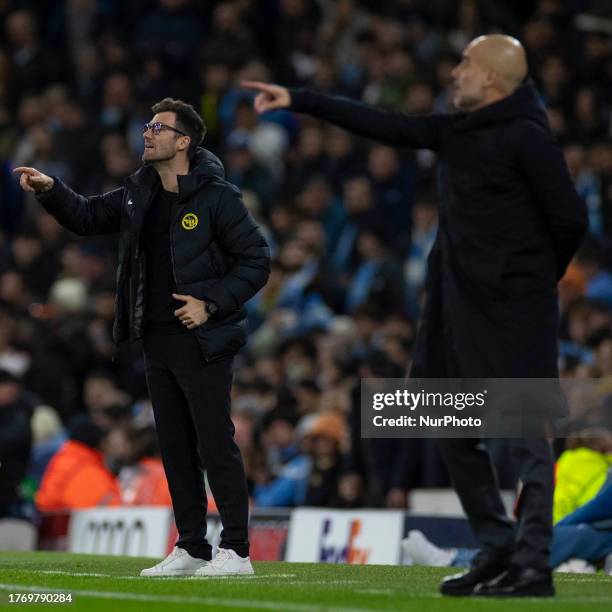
x=33 y=180
x=270 y=97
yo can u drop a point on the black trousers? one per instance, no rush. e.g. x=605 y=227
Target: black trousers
x=526 y=542
x=191 y=404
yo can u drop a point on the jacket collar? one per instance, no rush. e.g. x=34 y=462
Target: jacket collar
x=524 y=102
x=204 y=166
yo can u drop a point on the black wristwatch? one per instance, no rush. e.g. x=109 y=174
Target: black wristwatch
x=211 y=308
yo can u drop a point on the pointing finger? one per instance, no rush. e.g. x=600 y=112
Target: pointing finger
x=25 y=170
x=257 y=85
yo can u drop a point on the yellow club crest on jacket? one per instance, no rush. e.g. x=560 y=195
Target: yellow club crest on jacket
x=189 y=221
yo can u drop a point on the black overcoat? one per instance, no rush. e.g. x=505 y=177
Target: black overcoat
x=509 y=223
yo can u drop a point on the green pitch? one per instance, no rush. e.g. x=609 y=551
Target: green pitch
x=112 y=583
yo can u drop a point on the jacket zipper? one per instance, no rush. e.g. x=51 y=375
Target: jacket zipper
x=171 y=233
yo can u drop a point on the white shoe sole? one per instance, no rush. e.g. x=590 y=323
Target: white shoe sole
x=248 y=572
x=185 y=572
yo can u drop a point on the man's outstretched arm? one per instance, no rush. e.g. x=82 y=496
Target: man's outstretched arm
x=392 y=128
x=86 y=216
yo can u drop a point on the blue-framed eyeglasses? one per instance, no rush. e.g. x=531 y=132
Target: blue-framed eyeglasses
x=157 y=127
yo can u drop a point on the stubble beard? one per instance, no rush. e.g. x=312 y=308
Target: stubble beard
x=160 y=159
x=465 y=103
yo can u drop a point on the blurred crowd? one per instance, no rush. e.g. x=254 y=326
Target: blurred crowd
x=350 y=223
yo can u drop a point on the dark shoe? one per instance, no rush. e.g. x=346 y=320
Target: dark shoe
x=485 y=566
x=519 y=582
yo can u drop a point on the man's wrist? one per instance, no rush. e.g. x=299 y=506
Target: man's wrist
x=46 y=189
x=211 y=308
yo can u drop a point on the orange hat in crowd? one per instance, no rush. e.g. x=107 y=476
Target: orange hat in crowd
x=330 y=425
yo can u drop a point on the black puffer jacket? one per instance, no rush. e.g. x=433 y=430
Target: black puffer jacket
x=218 y=253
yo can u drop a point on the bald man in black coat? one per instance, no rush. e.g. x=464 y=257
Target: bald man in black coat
x=509 y=223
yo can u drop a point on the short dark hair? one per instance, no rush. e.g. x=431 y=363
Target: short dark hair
x=187 y=120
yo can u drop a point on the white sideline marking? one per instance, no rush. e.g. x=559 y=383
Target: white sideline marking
x=330 y=583
x=156 y=578
x=562 y=577
x=63 y=573
x=178 y=599
x=599 y=581
x=269 y=605
x=324 y=582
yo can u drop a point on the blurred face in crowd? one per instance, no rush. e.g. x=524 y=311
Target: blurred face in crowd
x=20 y=29
x=357 y=195
x=312 y=235
x=370 y=247
x=323 y=446
x=166 y=145
x=315 y=198
x=419 y=99
x=26 y=249
x=9 y=392
x=338 y=143
x=117 y=91
x=293 y=255
x=12 y=288
x=279 y=434
x=30 y=111
x=382 y=162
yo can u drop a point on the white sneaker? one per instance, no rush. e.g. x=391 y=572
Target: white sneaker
x=226 y=563
x=423 y=552
x=178 y=563
x=576 y=566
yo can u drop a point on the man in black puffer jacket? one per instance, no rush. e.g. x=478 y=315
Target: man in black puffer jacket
x=190 y=256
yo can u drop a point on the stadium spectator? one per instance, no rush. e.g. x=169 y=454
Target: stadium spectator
x=15 y=443
x=48 y=436
x=581 y=470
x=328 y=441
x=311 y=458
x=76 y=476
x=143 y=481
x=285 y=480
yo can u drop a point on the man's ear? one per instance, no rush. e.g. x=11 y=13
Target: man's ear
x=491 y=79
x=184 y=142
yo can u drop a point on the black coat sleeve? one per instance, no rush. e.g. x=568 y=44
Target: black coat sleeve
x=86 y=216
x=392 y=128
x=239 y=237
x=543 y=165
